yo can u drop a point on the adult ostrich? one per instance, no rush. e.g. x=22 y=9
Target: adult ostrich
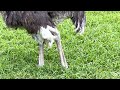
x=78 y=18
x=42 y=26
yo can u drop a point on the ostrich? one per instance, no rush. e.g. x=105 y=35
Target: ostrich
x=42 y=27
x=78 y=18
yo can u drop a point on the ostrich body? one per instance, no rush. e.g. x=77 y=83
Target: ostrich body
x=42 y=26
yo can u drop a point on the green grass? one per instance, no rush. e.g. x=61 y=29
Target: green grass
x=93 y=55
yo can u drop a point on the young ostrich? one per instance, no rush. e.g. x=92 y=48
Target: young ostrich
x=41 y=25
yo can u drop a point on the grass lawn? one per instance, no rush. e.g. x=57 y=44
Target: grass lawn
x=93 y=55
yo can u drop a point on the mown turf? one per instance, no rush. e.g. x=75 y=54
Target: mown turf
x=93 y=55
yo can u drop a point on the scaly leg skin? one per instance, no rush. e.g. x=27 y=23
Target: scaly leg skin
x=61 y=53
x=81 y=28
x=59 y=46
x=41 y=55
x=39 y=39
